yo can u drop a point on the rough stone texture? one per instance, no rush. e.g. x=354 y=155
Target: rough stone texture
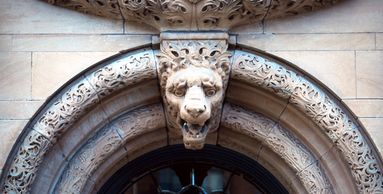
x=11 y=109
x=15 y=75
x=346 y=16
x=50 y=69
x=335 y=69
x=358 y=41
x=369 y=74
x=37 y=17
x=9 y=130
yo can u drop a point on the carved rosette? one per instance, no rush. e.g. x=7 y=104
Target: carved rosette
x=67 y=108
x=194 y=14
x=193 y=76
x=320 y=108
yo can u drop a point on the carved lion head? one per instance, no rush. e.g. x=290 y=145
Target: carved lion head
x=193 y=81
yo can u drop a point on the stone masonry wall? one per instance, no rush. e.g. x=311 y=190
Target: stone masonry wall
x=42 y=47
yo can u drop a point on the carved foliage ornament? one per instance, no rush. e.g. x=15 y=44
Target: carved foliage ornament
x=193 y=76
x=336 y=123
x=71 y=104
x=193 y=14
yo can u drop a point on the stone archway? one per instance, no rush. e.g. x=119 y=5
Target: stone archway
x=284 y=120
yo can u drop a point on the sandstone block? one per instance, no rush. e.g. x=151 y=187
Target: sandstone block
x=15 y=75
x=52 y=69
x=345 y=16
x=9 y=131
x=138 y=28
x=369 y=74
x=32 y=16
x=336 y=69
x=18 y=109
x=366 y=107
x=374 y=127
x=5 y=43
x=379 y=41
x=77 y=42
x=361 y=41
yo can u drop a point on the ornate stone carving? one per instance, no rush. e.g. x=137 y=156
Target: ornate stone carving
x=194 y=14
x=193 y=78
x=71 y=104
x=251 y=69
x=22 y=171
x=106 y=141
x=336 y=124
x=282 y=142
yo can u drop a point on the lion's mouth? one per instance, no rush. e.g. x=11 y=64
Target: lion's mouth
x=194 y=135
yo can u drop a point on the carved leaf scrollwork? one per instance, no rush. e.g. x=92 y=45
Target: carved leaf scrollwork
x=106 y=8
x=177 y=55
x=158 y=13
x=23 y=169
x=70 y=105
x=317 y=105
x=194 y=14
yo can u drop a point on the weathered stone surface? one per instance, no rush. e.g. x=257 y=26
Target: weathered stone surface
x=32 y=16
x=346 y=16
x=336 y=69
x=374 y=127
x=77 y=42
x=9 y=130
x=366 y=107
x=15 y=75
x=359 y=41
x=18 y=109
x=369 y=74
x=52 y=69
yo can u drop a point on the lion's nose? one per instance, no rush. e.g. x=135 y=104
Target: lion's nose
x=195 y=110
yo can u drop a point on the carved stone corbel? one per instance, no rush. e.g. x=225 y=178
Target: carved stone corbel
x=193 y=71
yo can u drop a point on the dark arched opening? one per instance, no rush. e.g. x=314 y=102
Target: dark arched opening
x=183 y=162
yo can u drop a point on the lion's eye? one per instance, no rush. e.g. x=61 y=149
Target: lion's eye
x=179 y=92
x=210 y=92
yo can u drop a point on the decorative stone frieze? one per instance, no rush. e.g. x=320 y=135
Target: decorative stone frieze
x=193 y=76
x=193 y=14
x=261 y=72
x=22 y=171
x=175 y=57
x=282 y=142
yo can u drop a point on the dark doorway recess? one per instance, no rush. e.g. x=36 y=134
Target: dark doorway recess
x=183 y=160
